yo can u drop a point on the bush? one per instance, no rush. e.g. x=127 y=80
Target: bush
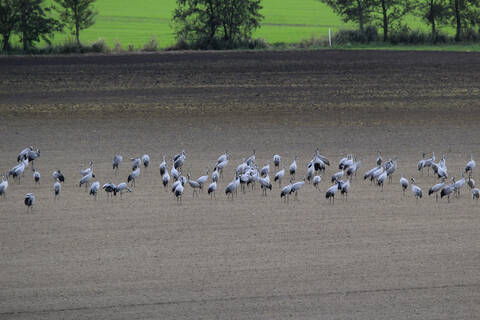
x=99 y=46
x=219 y=44
x=117 y=48
x=130 y=47
x=151 y=45
x=370 y=34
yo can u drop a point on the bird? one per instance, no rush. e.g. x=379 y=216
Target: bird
x=222 y=157
x=251 y=160
x=293 y=167
x=94 y=189
x=370 y=172
x=447 y=190
x=174 y=172
x=276 y=161
x=215 y=175
x=475 y=194
x=337 y=176
x=310 y=173
x=316 y=181
x=232 y=187
x=324 y=159
x=471 y=183
x=36 y=176
x=117 y=159
x=121 y=188
x=379 y=159
x=58 y=175
x=18 y=170
x=194 y=184
x=404 y=184
x=56 y=189
x=86 y=179
x=32 y=155
x=133 y=175
x=297 y=186
x=109 y=188
x=352 y=170
x=345 y=188
x=179 y=192
x=135 y=163
x=86 y=171
x=265 y=184
x=220 y=166
x=29 y=200
x=428 y=163
x=381 y=179
x=265 y=170
x=279 y=176
x=146 y=160
x=345 y=162
x=163 y=167
x=203 y=179
x=179 y=160
x=165 y=179
x=24 y=154
x=421 y=163
x=459 y=185
x=436 y=188
x=391 y=169
x=330 y=195
x=4 y=186
x=470 y=165
x=285 y=193
x=417 y=192
x=212 y=188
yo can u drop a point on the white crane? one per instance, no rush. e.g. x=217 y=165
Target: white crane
x=36 y=176
x=56 y=189
x=4 y=186
x=29 y=201
x=203 y=179
x=279 y=176
x=404 y=184
x=417 y=192
x=133 y=176
x=470 y=165
x=163 y=167
x=475 y=194
x=86 y=179
x=117 y=159
x=276 y=161
x=421 y=163
x=212 y=188
x=94 y=189
x=436 y=188
x=146 y=160
x=285 y=193
x=109 y=189
x=58 y=175
x=293 y=167
x=165 y=180
x=330 y=195
x=316 y=181
x=194 y=184
x=121 y=188
x=135 y=163
x=265 y=170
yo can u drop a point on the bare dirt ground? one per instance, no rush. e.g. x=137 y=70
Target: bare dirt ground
x=376 y=256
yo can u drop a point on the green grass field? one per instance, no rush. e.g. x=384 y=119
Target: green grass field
x=135 y=22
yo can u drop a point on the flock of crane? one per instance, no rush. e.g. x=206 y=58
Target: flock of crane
x=247 y=174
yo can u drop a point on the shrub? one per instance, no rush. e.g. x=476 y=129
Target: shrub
x=117 y=47
x=151 y=45
x=370 y=34
x=130 y=47
x=99 y=46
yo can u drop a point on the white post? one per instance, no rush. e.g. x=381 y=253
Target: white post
x=329 y=37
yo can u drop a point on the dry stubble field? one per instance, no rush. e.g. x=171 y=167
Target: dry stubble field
x=376 y=256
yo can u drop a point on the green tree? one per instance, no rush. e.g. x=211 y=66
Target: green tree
x=34 y=24
x=77 y=14
x=465 y=14
x=208 y=21
x=8 y=21
x=433 y=12
x=358 y=11
x=389 y=13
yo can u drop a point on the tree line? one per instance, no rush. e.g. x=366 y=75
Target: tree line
x=35 y=20
x=463 y=15
x=226 y=24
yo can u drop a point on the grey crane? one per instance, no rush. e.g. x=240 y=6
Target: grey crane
x=4 y=186
x=94 y=189
x=165 y=180
x=146 y=160
x=203 y=179
x=436 y=188
x=470 y=165
x=56 y=189
x=109 y=188
x=58 y=175
x=421 y=163
x=24 y=154
x=220 y=166
x=29 y=201
x=448 y=190
x=87 y=170
x=135 y=163
x=285 y=193
x=117 y=159
x=279 y=176
x=293 y=167
x=276 y=161
x=212 y=188
x=265 y=170
x=194 y=184
x=36 y=176
x=163 y=167
x=345 y=188
x=179 y=160
x=475 y=194
x=330 y=195
x=133 y=176
x=296 y=187
x=416 y=190
x=86 y=179
x=120 y=188
x=316 y=181
x=232 y=187
x=179 y=192
x=404 y=184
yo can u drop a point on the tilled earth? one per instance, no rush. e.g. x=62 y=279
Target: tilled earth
x=379 y=255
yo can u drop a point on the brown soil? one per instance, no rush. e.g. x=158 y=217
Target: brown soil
x=376 y=256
